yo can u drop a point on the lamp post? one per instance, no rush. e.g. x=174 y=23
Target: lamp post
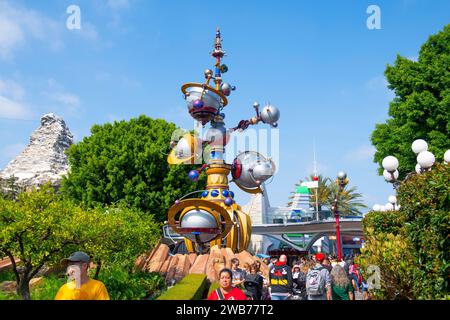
x=342 y=182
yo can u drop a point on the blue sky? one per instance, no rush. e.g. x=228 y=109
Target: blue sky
x=317 y=61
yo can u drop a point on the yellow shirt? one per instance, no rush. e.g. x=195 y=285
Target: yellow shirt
x=91 y=290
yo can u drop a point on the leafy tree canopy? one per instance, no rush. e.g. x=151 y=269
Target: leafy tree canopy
x=127 y=162
x=421 y=107
x=39 y=228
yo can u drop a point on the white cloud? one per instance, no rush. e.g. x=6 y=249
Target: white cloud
x=56 y=92
x=362 y=153
x=11 y=89
x=17 y=25
x=12 y=110
x=11 y=101
x=67 y=99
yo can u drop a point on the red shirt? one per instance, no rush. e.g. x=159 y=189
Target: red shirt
x=234 y=294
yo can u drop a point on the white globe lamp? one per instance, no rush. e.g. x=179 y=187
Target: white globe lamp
x=419 y=145
x=426 y=159
x=390 y=163
x=447 y=156
x=392 y=199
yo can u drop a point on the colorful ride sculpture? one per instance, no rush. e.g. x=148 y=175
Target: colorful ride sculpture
x=215 y=218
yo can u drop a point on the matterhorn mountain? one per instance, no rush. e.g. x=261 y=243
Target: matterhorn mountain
x=44 y=159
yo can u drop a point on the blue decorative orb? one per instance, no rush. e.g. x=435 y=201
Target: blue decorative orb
x=225 y=193
x=193 y=175
x=228 y=201
x=198 y=104
x=231 y=194
x=214 y=193
x=222 y=115
x=204 y=194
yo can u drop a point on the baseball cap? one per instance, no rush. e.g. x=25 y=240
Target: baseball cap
x=78 y=256
x=320 y=256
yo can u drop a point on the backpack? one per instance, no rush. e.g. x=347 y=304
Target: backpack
x=315 y=282
x=219 y=294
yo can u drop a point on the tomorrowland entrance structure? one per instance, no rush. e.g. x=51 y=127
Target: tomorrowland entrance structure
x=215 y=219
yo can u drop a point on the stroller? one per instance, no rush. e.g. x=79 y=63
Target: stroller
x=299 y=289
x=253 y=290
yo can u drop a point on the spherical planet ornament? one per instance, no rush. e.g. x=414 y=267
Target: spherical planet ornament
x=228 y=201
x=418 y=168
x=232 y=194
x=205 y=194
x=390 y=163
x=419 y=145
x=392 y=199
x=447 y=156
x=426 y=159
x=389 y=206
x=270 y=114
x=225 y=88
x=225 y=193
x=222 y=115
x=193 y=175
x=376 y=207
x=214 y=193
x=198 y=104
x=223 y=68
x=388 y=176
x=208 y=73
x=199 y=219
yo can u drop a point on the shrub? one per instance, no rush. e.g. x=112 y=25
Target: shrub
x=47 y=289
x=411 y=246
x=191 y=287
x=123 y=285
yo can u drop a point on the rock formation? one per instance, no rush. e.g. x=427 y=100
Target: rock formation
x=175 y=267
x=44 y=159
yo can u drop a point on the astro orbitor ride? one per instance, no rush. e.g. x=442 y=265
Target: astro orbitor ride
x=215 y=218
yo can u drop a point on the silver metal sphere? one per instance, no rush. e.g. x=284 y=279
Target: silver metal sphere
x=225 y=88
x=199 y=219
x=255 y=169
x=263 y=171
x=208 y=73
x=270 y=114
x=256 y=104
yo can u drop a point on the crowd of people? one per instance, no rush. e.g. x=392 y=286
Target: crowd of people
x=317 y=277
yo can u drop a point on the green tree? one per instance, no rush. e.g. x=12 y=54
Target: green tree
x=127 y=161
x=421 y=107
x=39 y=228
